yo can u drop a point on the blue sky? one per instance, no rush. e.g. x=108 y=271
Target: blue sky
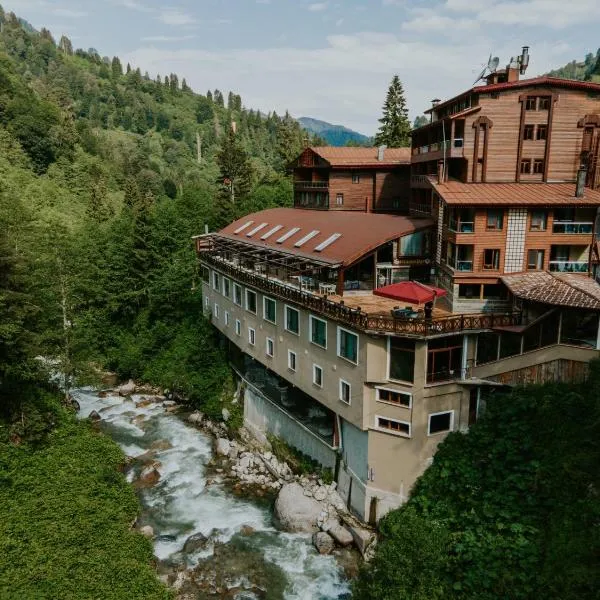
x=331 y=60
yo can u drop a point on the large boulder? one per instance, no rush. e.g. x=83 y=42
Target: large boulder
x=195 y=542
x=323 y=542
x=149 y=475
x=294 y=511
x=195 y=418
x=94 y=416
x=223 y=447
x=147 y=531
x=341 y=535
x=362 y=537
x=127 y=388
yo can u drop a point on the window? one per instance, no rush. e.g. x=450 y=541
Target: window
x=318 y=331
x=541 y=132
x=216 y=311
x=469 y=290
x=347 y=345
x=535 y=260
x=444 y=358
x=544 y=103
x=226 y=318
x=440 y=422
x=317 y=375
x=525 y=166
x=251 y=336
x=401 y=359
x=226 y=287
x=270 y=347
x=495 y=219
x=269 y=310
x=237 y=294
x=238 y=327
x=291 y=360
x=530 y=103
x=491 y=260
x=339 y=199
x=206 y=301
x=539 y=219
x=392 y=426
x=205 y=274
x=355 y=178
x=538 y=166
x=345 y=391
x=528 y=132
x=251 y=301
x=292 y=320
x=394 y=397
x=216 y=281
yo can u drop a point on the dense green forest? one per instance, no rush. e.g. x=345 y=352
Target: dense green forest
x=587 y=70
x=510 y=510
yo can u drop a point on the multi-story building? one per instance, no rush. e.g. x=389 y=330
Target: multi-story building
x=369 y=385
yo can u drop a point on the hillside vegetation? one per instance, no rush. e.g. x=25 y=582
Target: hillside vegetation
x=335 y=135
x=587 y=70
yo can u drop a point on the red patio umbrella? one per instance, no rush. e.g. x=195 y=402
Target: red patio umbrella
x=410 y=291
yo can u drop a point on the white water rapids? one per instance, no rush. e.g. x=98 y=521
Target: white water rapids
x=182 y=504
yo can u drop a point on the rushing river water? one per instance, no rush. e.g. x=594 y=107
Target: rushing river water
x=182 y=504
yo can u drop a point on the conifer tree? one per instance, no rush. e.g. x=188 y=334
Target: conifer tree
x=117 y=69
x=234 y=167
x=65 y=45
x=395 y=126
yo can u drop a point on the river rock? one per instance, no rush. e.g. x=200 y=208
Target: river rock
x=195 y=418
x=94 y=416
x=127 y=388
x=294 y=511
x=362 y=537
x=149 y=475
x=169 y=403
x=246 y=530
x=225 y=414
x=320 y=494
x=223 y=447
x=323 y=542
x=143 y=402
x=195 y=542
x=159 y=445
x=147 y=531
x=341 y=535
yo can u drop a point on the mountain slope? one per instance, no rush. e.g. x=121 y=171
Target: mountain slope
x=335 y=135
x=587 y=70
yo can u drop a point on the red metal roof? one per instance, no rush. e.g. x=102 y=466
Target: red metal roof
x=456 y=192
x=358 y=233
x=523 y=83
x=362 y=157
x=410 y=291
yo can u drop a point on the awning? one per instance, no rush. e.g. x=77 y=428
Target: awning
x=410 y=291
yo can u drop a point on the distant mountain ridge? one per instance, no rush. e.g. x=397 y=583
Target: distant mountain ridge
x=587 y=70
x=334 y=135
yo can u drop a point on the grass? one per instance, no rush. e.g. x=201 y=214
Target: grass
x=65 y=516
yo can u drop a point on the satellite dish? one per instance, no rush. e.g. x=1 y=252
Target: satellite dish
x=493 y=63
x=480 y=76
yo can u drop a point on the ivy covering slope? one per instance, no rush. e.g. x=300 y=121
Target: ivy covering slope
x=510 y=510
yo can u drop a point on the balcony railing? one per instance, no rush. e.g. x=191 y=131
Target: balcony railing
x=462 y=226
x=572 y=227
x=569 y=266
x=437 y=146
x=355 y=317
x=312 y=185
x=462 y=265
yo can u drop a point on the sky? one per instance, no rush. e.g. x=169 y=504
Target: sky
x=330 y=60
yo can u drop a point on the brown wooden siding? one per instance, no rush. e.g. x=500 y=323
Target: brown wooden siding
x=357 y=196
x=555 y=370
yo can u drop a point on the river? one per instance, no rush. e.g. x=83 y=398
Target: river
x=186 y=501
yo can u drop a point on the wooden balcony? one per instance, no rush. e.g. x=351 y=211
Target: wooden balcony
x=437 y=150
x=421 y=181
x=356 y=316
x=311 y=185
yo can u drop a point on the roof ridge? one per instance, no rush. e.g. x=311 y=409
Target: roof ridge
x=579 y=289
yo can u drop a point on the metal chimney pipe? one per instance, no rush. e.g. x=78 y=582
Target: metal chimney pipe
x=381 y=153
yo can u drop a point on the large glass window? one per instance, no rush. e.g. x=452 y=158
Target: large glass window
x=510 y=344
x=216 y=281
x=318 y=331
x=292 y=320
x=444 y=358
x=441 y=422
x=237 y=294
x=579 y=328
x=487 y=348
x=226 y=287
x=495 y=218
x=347 y=345
x=402 y=359
x=345 y=392
x=269 y=310
x=251 y=301
x=539 y=219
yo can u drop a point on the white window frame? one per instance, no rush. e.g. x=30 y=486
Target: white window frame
x=248 y=291
x=312 y=318
x=252 y=336
x=355 y=177
x=441 y=412
x=206 y=302
x=271 y=342
x=285 y=313
x=226 y=318
x=216 y=311
x=339 y=344
x=391 y=431
x=290 y=367
x=238 y=287
x=389 y=389
x=216 y=282
x=227 y=294
x=314 y=379
x=340 y=395
x=238 y=327
x=265 y=300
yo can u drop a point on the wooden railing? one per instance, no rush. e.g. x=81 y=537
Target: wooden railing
x=355 y=317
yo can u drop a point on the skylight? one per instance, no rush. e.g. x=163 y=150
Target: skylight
x=257 y=228
x=271 y=231
x=328 y=242
x=308 y=236
x=288 y=235
x=244 y=226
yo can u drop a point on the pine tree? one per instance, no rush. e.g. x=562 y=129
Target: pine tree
x=395 y=126
x=117 y=69
x=65 y=45
x=234 y=168
x=420 y=121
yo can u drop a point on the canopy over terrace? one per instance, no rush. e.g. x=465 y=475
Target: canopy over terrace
x=413 y=292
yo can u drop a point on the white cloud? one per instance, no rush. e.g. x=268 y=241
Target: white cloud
x=317 y=6
x=133 y=5
x=425 y=19
x=69 y=13
x=173 y=16
x=167 y=38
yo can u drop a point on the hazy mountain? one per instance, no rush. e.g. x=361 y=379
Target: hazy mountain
x=335 y=135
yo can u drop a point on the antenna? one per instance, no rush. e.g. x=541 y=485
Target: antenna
x=492 y=65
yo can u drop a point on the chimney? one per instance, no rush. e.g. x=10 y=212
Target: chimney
x=440 y=171
x=581 y=177
x=380 y=153
x=524 y=60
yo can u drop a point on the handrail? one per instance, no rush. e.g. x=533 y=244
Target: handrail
x=312 y=184
x=357 y=319
x=572 y=227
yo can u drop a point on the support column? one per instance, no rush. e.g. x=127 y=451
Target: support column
x=339 y=289
x=598 y=336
